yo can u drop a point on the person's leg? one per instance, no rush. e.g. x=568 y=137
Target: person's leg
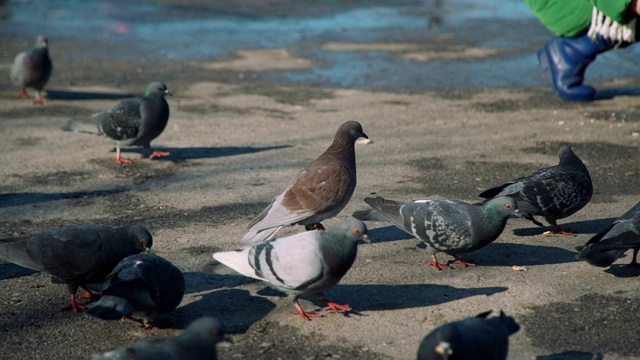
x=568 y=54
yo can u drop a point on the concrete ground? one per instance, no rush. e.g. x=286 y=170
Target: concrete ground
x=236 y=139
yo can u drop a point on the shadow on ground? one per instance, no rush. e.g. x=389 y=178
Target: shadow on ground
x=85 y=95
x=613 y=92
x=571 y=355
x=10 y=271
x=385 y=297
x=578 y=227
x=26 y=198
x=191 y=153
x=237 y=309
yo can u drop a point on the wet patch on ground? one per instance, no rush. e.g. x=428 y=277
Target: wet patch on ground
x=464 y=180
x=607 y=324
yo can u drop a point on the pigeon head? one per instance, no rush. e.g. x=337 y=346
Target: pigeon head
x=42 y=42
x=206 y=330
x=352 y=229
x=353 y=130
x=157 y=88
x=504 y=206
x=142 y=235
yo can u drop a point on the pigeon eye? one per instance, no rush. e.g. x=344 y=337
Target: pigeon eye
x=508 y=206
x=356 y=231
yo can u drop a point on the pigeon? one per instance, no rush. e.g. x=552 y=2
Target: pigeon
x=133 y=122
x=318 y=192
x=143 y=284
x=32 y=69
x=197 y=342
x=450 y=226
x=555 y=192
x=78 y=255
x=306 y=263
x=609 y=245
x=476 y=338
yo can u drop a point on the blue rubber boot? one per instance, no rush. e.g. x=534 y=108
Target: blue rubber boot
x=567 y=59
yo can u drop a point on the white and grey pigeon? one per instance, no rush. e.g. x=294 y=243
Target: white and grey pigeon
x=318 y=192
x=32 y=69
x=143 y=284
x=554 y=192
x=449 y=226
x=197 y=342
x=133 y=122
x=78 y=255
x=306 y=263
x=477 y=338
x=609 y=245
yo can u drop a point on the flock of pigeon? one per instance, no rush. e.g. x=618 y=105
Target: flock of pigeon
x=141 y=285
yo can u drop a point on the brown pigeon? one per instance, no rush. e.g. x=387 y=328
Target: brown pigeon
x=32 y=69
x=318 y=192
x=78 y=255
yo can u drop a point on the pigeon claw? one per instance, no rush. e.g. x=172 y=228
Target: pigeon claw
x=22 y=94
x=462 y=262
x=438 y=265
x=303 y=314
x=331 y=306
x=74 y=306
x=39 y=101
x=88 y=294
x=157 y=153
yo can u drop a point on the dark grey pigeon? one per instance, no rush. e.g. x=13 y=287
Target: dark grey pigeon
x=32 y=69
x=449 y=226
x=197 y=342
x=555 y=192
x=133 y=122
x=143 y=284
x=78 y=255
x=477 y=338
x=307 y=263
x=318 y=192
x=609 y=245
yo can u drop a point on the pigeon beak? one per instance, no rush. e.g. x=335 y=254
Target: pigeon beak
x=364 y=135
x=168 y=92
x=365 y=238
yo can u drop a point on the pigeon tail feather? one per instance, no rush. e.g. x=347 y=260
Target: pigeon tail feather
x=81 y=127
x=256 y=236
x=15 y=251
x=111 y=308
x=369 y=215
x=218 y=268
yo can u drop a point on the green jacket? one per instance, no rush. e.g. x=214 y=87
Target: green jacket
x=572 y=17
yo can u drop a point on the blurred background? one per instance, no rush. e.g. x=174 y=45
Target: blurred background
x=375 y=44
